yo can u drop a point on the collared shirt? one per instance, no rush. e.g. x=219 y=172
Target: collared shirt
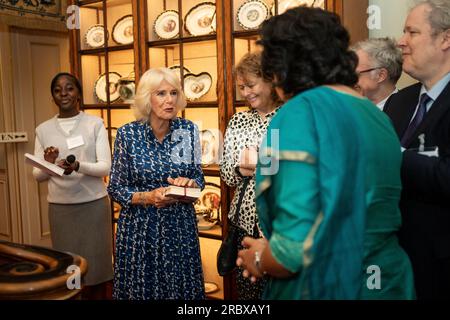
x=381 y=104
x=433 y=93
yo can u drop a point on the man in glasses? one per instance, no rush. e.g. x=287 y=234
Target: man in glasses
x=379 y=68
x=421 y=116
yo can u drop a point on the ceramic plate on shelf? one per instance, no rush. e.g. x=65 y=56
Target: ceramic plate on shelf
x=127 y=88
x=122 y=32
x=209 y=202
x=196 y=85
x=95 y=36
x=177 y=69
x=210 y=147
x=205 y=225
x=214 y=23
x=200 y=20
x=252 y=13
x=284 y=5
x=101 y=88
x=211 y=287
x=166 y=24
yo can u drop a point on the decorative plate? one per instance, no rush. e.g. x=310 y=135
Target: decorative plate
x=196 y=85
x=177 y=69
x=200 y=20
x=284 y=5
x=127 y=88
x=211 y=287
x=95 y=36
x=210 y=147
x=214 y=23
x=122 y=32
x=252 y=13
x=100 y=87
x=166 y=24
x=210 y=200
x=205 y=225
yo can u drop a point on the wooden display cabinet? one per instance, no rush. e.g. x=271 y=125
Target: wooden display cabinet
x=191 y=52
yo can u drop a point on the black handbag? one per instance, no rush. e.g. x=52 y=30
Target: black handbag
x=227 y=254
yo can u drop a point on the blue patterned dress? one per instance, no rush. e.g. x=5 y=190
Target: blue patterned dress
x=157 y=250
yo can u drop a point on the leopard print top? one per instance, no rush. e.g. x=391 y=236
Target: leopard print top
x=246 y=128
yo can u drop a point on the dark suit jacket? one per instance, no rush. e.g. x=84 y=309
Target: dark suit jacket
x=425 y=202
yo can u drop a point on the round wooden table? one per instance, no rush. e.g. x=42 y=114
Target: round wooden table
x=31 y=272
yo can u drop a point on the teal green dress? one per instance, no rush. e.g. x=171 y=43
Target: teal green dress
x=328 y=187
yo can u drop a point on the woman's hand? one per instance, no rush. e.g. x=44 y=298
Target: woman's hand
x=182 y=182
x=50 y=154
x=158 y=198
x=246 y=172
x=246 y=257
x=68 y=167
x=249 y=158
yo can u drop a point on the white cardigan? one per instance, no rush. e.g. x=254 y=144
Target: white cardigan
x=94 y=157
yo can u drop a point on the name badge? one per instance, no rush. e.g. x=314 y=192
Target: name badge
x=430 y=152
x=75 y=142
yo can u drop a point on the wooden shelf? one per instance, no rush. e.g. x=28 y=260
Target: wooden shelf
x=246 y=34
x=240 y=103
x=177 y=41
x=102 y=50
x=213 y=233
x=105 y=106
x=86 y=2
x=98 y=4
x=206 y=104
x=211 y=170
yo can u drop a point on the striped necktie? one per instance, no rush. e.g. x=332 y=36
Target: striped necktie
x=418 y=118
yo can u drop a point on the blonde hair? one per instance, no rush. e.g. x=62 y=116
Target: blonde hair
x=149 y=82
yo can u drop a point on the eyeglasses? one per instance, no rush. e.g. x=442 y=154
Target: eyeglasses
x=358 y=73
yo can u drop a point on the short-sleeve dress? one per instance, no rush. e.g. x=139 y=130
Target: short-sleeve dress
x=157 y=250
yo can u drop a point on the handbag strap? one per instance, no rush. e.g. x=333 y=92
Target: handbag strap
x=241 y=196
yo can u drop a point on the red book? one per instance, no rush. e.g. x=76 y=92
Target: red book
x=183 y=193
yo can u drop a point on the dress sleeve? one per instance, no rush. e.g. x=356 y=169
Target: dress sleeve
x=297 y=208
x=292 y=192
x=102 y=167
x=121 y=186
x=230 y=157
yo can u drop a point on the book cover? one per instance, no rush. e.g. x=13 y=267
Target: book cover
x=47 y=167
x=183 y=193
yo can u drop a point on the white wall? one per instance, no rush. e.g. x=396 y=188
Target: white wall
x=393 y=16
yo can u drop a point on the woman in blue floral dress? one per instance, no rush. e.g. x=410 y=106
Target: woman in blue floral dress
x=157 y=246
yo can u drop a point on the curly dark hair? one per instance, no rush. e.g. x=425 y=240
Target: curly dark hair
x=305 y=48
